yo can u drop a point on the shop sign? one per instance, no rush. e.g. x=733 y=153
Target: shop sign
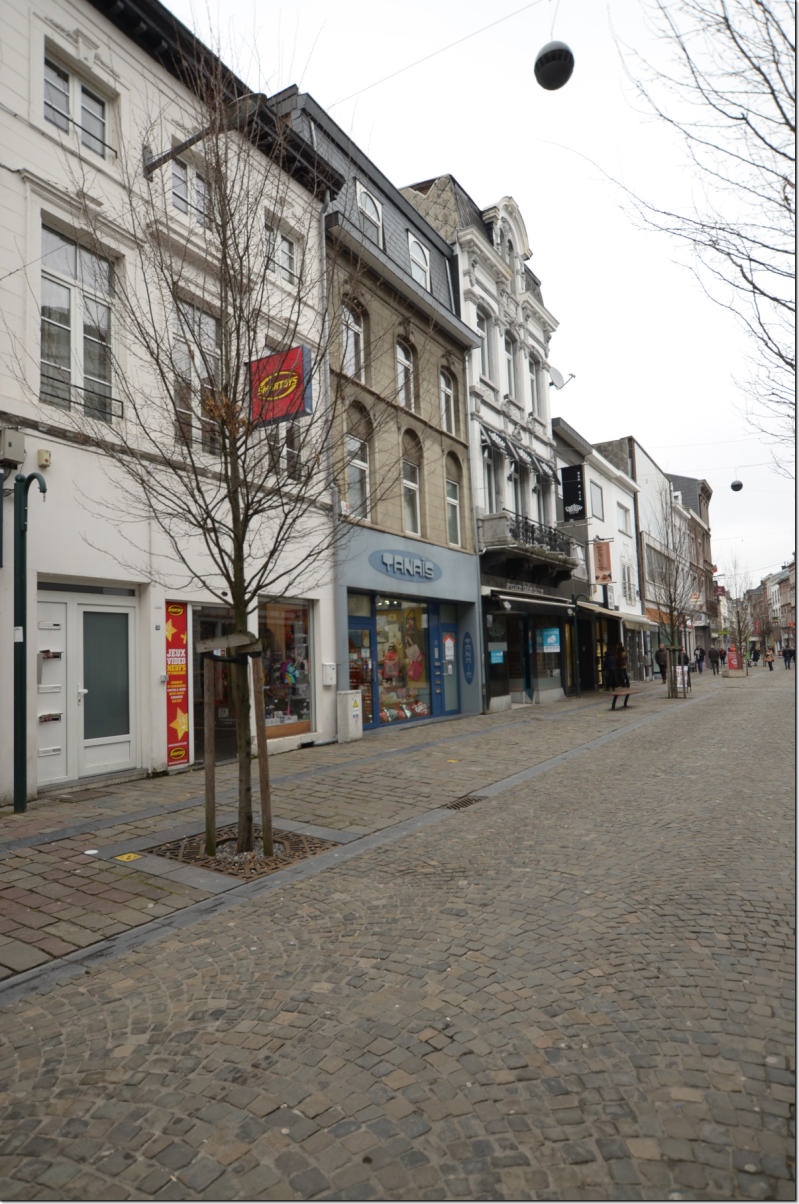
x=280 y=386
x=400 y=566
x=573 y=500
x=548 y=639
x=177 y=683
x=467 y=655
x=602 y=570
x=497 y=656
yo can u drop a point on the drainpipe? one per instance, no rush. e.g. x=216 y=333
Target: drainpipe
x=22 y=484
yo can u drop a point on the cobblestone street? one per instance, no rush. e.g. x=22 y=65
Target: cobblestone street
x=576 y=983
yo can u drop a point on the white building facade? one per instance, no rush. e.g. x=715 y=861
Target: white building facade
x=112 y=679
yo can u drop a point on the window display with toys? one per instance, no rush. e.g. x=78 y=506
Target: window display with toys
x=403 y=678
x=284 y=638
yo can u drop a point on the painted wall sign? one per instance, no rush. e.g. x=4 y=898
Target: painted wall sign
x=280 y=386
x=177 y=683
x=403 y=567
x=602 y=570
x=467 y=657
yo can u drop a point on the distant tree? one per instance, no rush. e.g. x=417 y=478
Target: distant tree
x=739 y=610
x=670 y=577
x=729 y=91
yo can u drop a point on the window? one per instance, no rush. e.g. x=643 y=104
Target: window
x=597 y=501
x=628 y=590
x=623 y=518
x=64 y=95
x=293 y=445
x=196 y=362
x=353 y=339
x=489 y=481
x=406 y=372
x=411 y=483
x=76 y=351
x=515 y=480
x=281 y=254
x=358 y=476
x=532 y=368
x=185 y=184
x=449 y=413
x=510 y=365
x=453 y=499
x=483 y=328
x=420 y=262
x=371 y=214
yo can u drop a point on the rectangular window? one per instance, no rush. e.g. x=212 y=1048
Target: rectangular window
x=357 y=477
x=281 y=254
x=180 y=186
x=406 y=392
x=597 y=501
x=454 y=512
x=533 y=376
x=410 y=497
x=352 y=336
x=510 y=365
x=627 y=583
x=196 y=357
x=483 y=326
x=65 y=94
x=76 y=352
x=447 y=392
x=623 y=519
x=490 y=481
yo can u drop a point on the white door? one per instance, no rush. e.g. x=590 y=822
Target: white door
x=85 y=687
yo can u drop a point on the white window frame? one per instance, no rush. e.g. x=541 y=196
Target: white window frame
x=510 y=365
x=358 y=476
x=411 y=498
x=189 y=191
x=197 y=346
x=532 y=366
x=623 y=518
x=490 y=481
x=627 y=587
x=406 y=375
x=453 y=498
x=597 y=500
x=77 y=97
x=420 y=261
x=85 y=328
x=281 y=255
x=483 y=326
x=449 y=413
x=371 y=213
x=352 y=359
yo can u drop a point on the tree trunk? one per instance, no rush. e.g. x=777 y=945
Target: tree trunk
x=241 y=693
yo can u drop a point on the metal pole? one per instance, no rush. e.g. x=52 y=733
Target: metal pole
x=21 y=486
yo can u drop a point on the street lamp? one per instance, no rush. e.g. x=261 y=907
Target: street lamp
x=236 y=114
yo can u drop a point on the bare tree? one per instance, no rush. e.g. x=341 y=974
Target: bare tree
x=671 y=583
x=741 y=626
x=224 y=304
x=729 y=91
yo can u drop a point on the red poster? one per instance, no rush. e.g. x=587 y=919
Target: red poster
x=280 y=386
x=177 y=684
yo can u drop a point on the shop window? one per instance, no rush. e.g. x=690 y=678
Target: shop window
x=402 y=660
x=284 y=631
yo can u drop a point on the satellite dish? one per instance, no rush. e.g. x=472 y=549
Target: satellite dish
x=737 y=486
x=557 y=378
x=554 y=65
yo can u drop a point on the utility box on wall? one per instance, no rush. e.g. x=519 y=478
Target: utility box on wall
x=350 y=715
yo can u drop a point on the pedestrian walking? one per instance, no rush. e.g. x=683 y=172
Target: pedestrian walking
x=786 y=656
x=622 y=677
x=713 y=657
x=699 y=656
x=609 y=669
x=723 y=655
x=770 y=659
x=755 y=655
x=660 y=661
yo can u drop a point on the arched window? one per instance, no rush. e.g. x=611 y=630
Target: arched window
x=406 y=376
x=420 y=262
x=449 y=410
x=353 y=339
x=454 y=477
x=359 y=438
x=411 y=484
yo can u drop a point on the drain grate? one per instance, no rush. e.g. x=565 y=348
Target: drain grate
x=460 y=804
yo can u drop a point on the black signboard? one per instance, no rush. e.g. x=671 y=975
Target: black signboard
x=573 y=497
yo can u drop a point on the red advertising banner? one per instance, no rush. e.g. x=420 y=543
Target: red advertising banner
x=280 y=386
x=177 y=683
x=602 y=569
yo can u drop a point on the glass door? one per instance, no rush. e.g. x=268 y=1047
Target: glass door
x=104 y=693
x=362 y=640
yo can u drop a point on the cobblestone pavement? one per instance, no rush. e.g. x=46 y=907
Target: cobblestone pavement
x=577 y=983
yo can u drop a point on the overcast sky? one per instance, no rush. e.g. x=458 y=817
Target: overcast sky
x=429 y=87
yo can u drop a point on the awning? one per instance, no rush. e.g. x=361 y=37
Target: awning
x=517 y=452
x=638 y=622
x=496 y=440
x=525 y=602
x=595 y=608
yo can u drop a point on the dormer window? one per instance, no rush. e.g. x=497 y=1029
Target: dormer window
x=371 y=214
x=420 y=262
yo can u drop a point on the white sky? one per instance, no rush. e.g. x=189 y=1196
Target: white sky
x=652 y=356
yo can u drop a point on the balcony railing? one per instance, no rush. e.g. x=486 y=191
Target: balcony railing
x=506 y=527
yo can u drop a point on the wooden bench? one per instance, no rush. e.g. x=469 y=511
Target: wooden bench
x=625 y=694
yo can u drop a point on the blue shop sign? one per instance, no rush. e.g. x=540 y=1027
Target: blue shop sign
x=401 y=566
x=467 y=657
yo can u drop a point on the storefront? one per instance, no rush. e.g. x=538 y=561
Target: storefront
x=528 y=649
x=411 y=630
x=284 y=629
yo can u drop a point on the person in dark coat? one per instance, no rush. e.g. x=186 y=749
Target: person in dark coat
x=660 y=661
x=622 y=677
x=609 y=669
x=713 y=657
